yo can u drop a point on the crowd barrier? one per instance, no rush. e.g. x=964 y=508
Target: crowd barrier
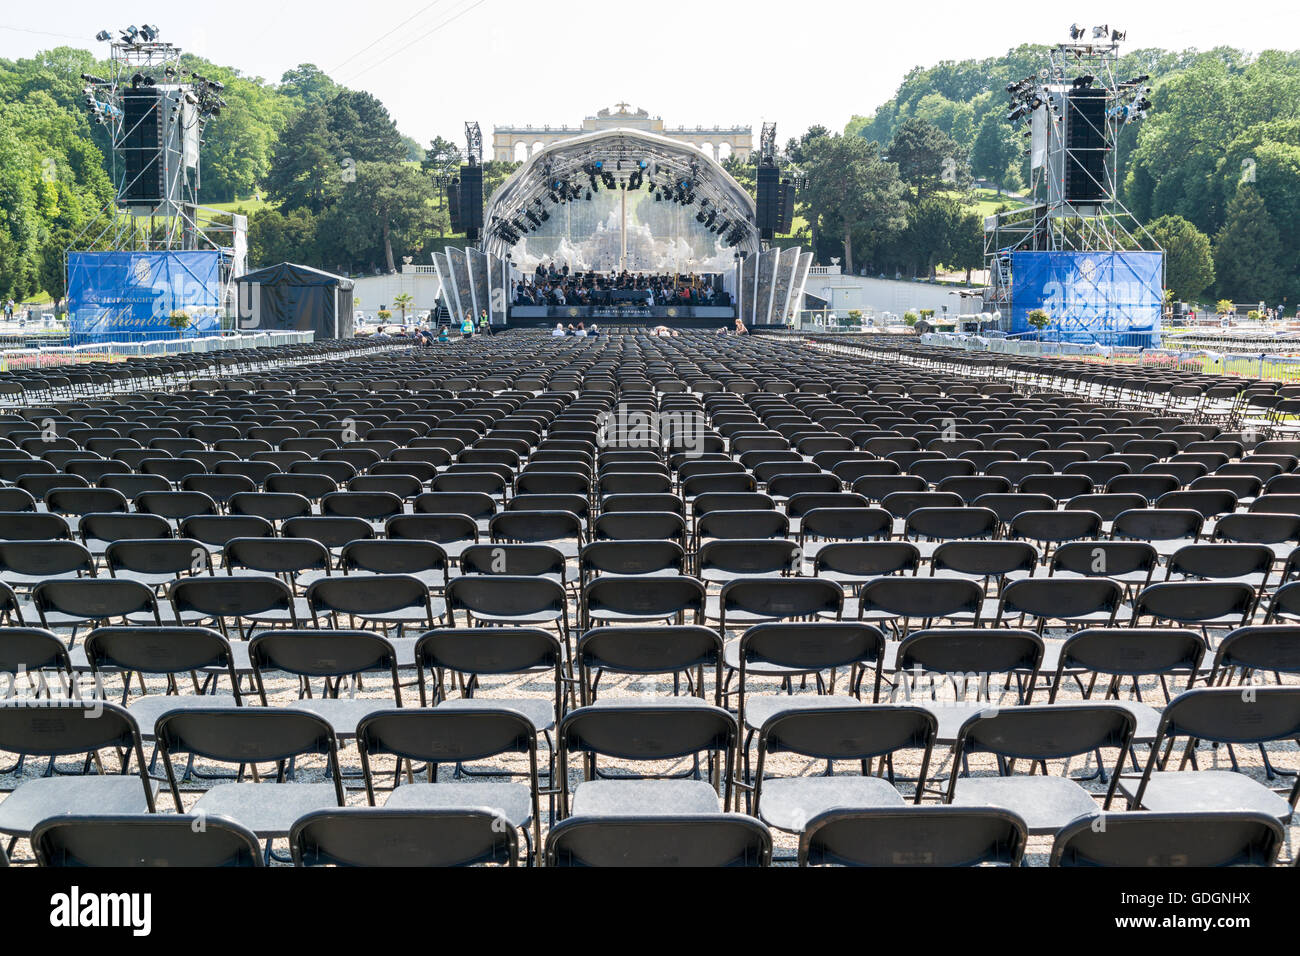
x=145 y=346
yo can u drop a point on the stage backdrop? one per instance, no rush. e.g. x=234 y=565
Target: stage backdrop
x=1110 y=298
x=115 y=296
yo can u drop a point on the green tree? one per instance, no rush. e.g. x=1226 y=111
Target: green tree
x=851 y=189
x=927 y=158
x=1189 y=262
x=994 y=150
x=1248 y=252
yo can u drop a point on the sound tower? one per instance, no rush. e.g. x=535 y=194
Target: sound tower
x=1086 y=147
x=471 y=200
x=453 y=206
x=785 y=221
x=142 y=147
x=769 y=200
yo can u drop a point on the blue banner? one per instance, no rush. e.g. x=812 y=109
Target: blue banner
x=117 y=296
x=1107 y=298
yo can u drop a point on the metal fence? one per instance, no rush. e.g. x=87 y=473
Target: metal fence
x=1263 y=364
x=23 y=354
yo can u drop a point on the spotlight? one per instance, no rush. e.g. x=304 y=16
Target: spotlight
x=1083 y=82
x=130 y=34
x=1076 y=31
x=1099 y=33
x=91 y=78
x=1117 y=36
x=103 y=36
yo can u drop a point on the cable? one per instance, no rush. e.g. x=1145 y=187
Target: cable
x=419 y=13
x=418 y=39
x=44 y=33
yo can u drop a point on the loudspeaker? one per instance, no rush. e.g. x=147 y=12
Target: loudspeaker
x=453 y=206
x=142 y=147
x=769 y=200
x=471 y=197
x=1086 y=147
x=785 y=220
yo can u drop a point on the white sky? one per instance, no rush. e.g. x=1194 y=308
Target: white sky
x=690 y=61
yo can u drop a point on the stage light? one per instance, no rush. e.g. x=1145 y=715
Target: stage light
x=130 y=34
x=1099 y=33
x=1117 y=36
x=91 y=78
x=1083 y=82
x=150 y=33
x=103 y=36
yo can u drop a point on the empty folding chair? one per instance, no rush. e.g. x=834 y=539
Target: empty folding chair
x=170 y=652
x=1217 y=716
x=860 y=733
x=338 y=658
x=249 y=736
x=450 y=735
x=66 y=728
x=1037 y=734
x=635 y=731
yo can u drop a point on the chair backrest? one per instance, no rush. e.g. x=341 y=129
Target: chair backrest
x=913 y=836
x=1131 y=651
x=94 y=599
x=643 y=596
x=322 y=653
x=678 y=840
x=160 y=650
x=781 y=598
x=1266 y=647
x=145 y=840
x=369 y=836
x=922 y=597
x=232 y=596
x=1176 y=838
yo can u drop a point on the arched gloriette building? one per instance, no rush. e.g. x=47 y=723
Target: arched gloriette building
x=511 y=143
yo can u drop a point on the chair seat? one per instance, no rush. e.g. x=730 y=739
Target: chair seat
x=762 y=708
x=268 y=809
x=342 y=713
x=36 y=800
x=731 y=657
x=509 y=801
x=540 y=712
x=1045 y=803
x=644 y=797
x=1206 y=790
x=411 y=615
x=788 y=803
x=147 y=710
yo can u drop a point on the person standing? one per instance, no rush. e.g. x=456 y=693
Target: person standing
x=484 y=323
x=467 y=326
